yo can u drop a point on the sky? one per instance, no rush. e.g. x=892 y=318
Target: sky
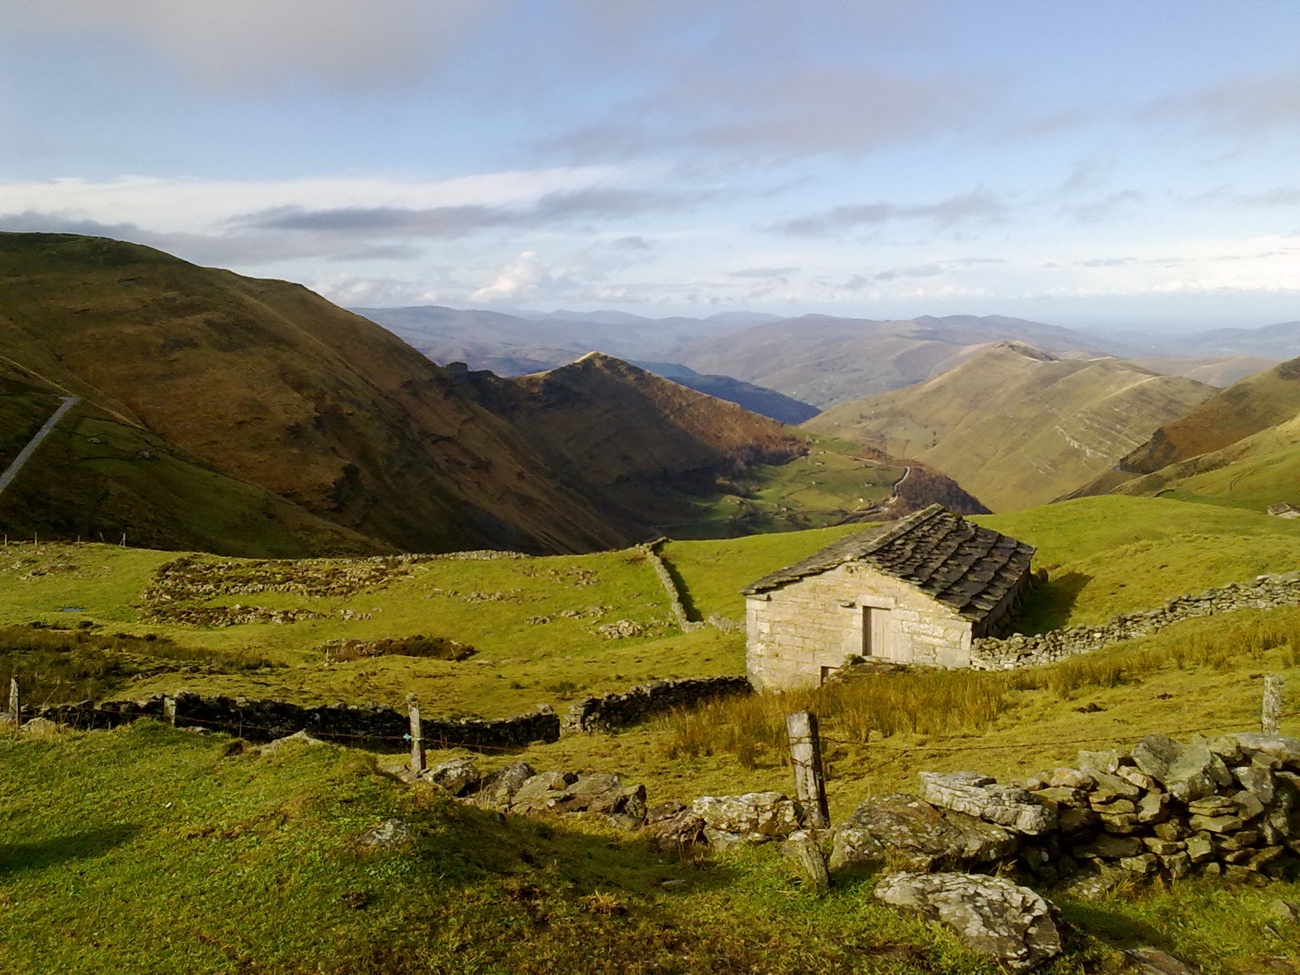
x=1114 y=165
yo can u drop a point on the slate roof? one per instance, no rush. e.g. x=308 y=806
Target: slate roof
x=962 y=565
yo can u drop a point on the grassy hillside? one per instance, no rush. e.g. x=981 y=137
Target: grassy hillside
x=1109 y=555
x=1015 y=426
x=269 y=383
x=96 y=476
x=1252 y=405
x=1214 y=370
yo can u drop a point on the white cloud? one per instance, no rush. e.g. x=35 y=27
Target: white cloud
x=517 y=280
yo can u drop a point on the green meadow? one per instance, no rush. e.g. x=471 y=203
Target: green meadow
x=253 y=845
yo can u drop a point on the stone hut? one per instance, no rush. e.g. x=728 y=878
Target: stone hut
x=915 y=591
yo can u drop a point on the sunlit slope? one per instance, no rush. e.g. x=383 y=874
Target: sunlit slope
x=273 y=385
x=1109 y=555
x=1018 y=427
x=1254 y=404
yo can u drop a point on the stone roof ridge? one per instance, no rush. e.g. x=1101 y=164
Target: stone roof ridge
x=898 y=529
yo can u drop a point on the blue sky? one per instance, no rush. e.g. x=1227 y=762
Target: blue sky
x=1117 y=165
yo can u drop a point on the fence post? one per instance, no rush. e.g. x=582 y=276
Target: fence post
x=169 y=709
x=806 y=757
x=417 y=735
x=15 y=701
x=1271 y=713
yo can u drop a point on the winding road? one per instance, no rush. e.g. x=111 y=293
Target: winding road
x=68 y=403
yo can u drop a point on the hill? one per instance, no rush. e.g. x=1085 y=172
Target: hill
x=827 y=361
x=270 y=384
x=1017 y=426
x=1246 y=408
x=1220 y=370
x=756 y=399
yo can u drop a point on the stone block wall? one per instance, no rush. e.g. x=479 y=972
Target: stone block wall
x=619 y=710
x=816 y=622
x=376 y=727
x=1264 y=592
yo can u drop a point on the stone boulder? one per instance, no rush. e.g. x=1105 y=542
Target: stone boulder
x=980 y=796
x=460 y=776
x=388 y=834
x=755 y=817
x=990 y=915
x=672 y=826
x=497 y=790
x=1272 y=751
x=904 y=831
x=1187 y=772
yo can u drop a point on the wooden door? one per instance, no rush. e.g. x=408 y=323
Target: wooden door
x=875 y=632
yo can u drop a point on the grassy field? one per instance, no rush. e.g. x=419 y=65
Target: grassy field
x=252 y=845
x=831 y=483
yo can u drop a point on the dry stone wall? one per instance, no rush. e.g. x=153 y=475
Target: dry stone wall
x=381 y=728
x=611 y=711
x=1264 y=592
x=1226 y=807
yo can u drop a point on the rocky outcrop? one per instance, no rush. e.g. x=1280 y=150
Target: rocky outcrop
x=1017 y=650
x=618 y=710
x=991 y=915
x=903 y=831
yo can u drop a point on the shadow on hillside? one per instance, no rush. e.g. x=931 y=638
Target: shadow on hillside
x=40 y=854
x=1048 y=607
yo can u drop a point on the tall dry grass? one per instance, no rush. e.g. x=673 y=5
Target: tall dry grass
x=956 y=702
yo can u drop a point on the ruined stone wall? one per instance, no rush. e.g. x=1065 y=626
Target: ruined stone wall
x=376 y=727
x=816 y=622
x=1264 y=592
x=619 y=710
x=1227 y=806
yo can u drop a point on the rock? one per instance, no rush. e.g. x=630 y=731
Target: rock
x=1200 y=847
x=664 y=810
x=1150 y=961
x=459 y=776
x=1212 y=806
x=1216 y=824
x=1284 y=910
x=1177 y=865
x=1163 y=848
x=1275 y=750
x=40 y=726
x=1144 y=864
x=1188 y=772
x=1248 y=804
x=389 y=833
x=1136 y=777
x=675 y=832
x=1057 y=797
x=1257 y=780
x=757 y=816
x=1153 y=808
x=297 y=738
x=534 y=794
x=803 y=850
x=990 y=915
x=1104 y=761
x=497 y=790
x=1113 y=786
x=1069 y=778
x=903 y=830
x=1170 y=830
x=981 y=796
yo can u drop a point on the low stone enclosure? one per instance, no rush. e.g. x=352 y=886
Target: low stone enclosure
x=1017 y=650
x=388 y=729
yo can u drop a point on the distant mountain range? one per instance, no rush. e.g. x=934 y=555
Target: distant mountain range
x=1017 y=426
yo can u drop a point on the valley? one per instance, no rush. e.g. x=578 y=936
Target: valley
x=260 y=497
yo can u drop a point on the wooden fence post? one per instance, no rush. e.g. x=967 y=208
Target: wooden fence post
x=169 y=710
x=15 y=701
x=806 y=757
x=417 y=735
x=1271 y=713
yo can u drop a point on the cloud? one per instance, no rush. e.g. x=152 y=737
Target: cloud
x=518 y=279
x=975 y=207
x=763 y=272
x=1242 y=106
x=449 y=222
x=251 y=44
x=634 y=243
